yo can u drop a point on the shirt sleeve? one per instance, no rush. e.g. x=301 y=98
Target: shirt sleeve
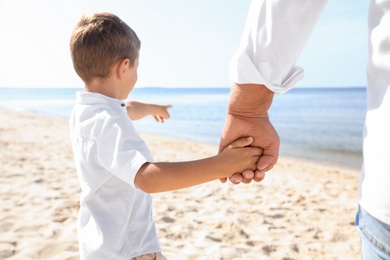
x=274 y=36
x=118 y=153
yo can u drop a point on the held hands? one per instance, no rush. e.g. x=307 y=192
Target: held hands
x=264 y=136
x=238 y=156
x=247 y=115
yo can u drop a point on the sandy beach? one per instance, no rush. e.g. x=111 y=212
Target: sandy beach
x=302 y=210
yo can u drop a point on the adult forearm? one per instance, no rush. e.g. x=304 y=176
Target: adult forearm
x=249 y=101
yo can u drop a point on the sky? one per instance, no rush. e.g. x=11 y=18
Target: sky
x=185 y=43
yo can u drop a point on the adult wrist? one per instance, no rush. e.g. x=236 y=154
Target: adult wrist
x=249 y=101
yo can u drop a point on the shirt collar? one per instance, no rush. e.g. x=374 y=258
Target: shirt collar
x=90 y=98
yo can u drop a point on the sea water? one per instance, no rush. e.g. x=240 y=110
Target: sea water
x=323 y=124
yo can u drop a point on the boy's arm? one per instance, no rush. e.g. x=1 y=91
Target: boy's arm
x=137 y=110
x=158 y=177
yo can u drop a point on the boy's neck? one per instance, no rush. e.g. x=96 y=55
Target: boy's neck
x=105 y=87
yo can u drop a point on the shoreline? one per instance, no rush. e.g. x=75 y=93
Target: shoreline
x=307 y=130
x=303 y=209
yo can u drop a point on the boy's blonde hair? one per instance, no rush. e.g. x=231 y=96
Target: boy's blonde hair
x=99 y=41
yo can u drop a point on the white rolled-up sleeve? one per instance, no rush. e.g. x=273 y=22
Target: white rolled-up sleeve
x=274 y=36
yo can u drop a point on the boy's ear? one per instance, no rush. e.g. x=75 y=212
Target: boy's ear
x=122 y=67
x=125 y=64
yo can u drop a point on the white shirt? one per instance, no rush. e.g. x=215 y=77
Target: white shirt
x=274 y=37
x=115 y=217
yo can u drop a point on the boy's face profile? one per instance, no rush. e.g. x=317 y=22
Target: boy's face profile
x=131 y=76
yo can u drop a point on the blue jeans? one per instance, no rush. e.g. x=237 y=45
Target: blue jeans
x=375 y=236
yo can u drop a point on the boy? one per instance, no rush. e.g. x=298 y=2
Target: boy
x=114 y=165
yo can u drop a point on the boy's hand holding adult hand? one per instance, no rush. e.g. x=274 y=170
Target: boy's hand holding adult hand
x=264 y=136
x=239 y=155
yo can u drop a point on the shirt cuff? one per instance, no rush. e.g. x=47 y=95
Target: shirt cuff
x=243 y=71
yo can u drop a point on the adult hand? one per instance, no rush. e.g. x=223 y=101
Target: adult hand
x=248 y=116
x=265 y=137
